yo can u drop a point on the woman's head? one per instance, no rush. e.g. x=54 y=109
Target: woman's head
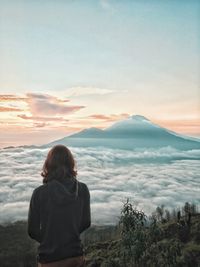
x=59 y=164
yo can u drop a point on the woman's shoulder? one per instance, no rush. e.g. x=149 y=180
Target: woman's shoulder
x=82 y=185
x=39 y=189
x=83 y=188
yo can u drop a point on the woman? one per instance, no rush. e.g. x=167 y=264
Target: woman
x=59 y=211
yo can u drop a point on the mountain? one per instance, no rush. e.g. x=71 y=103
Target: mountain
x=88 y=133
x=134 y=132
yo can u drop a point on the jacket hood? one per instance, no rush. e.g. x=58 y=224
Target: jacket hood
x=63 y=192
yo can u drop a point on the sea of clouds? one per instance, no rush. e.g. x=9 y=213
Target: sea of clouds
x=148 y=177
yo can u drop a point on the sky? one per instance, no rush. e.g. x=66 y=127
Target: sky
x=70 y=65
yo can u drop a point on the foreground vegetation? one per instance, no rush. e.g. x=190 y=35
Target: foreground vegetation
x=163 y=239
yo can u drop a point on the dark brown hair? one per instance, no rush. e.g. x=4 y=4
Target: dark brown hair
x=59 y=164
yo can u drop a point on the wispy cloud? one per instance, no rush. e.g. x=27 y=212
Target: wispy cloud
x=40 y=124
x=39 y=104
x=43 y=104
x=10 y=102
x=81 y=91
x=111 y=117
x=38 y=118
x=9 y=109
x=11 y=97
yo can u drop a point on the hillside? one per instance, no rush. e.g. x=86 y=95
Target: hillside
x=177 y=246
x=167 y=241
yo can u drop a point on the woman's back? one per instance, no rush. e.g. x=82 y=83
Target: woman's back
x=59 y=211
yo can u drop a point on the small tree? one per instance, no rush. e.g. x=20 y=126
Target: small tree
x=187 y=208
x=133 y=232
x=160 y=213
x=167 y=215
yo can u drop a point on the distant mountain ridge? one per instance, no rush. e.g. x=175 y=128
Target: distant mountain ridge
x=134 y=132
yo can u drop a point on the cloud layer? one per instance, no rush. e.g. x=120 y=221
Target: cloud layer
x=149 y=178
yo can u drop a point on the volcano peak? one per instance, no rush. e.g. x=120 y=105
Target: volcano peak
x=139 y=118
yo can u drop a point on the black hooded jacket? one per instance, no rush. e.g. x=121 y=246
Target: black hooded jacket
x=59 y=211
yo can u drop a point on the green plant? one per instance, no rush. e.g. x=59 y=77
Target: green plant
x=133 y=234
